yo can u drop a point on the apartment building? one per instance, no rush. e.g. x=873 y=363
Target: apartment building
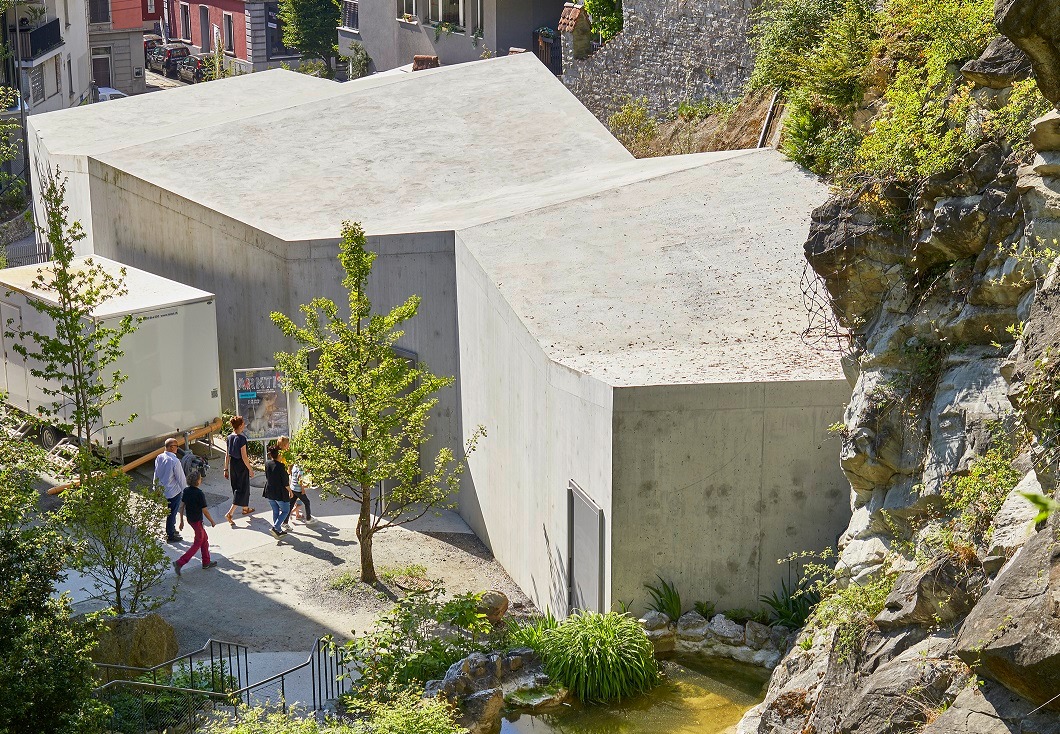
x=116 y=36
x=48 y=54
x=250 y=32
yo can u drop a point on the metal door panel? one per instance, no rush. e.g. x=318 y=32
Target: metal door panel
x=586 y=559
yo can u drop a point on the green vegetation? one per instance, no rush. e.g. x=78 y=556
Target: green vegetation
x=393 y=574
x=704 y=608
x=405 y=714
x=873 y=90
x=530 y=632
x=600 y=657
x=368 y=406
x=45 y=668
x=415 y=642
x=741 y=615
x=634 y=126
x=665 y=598
x=792 y=605
x=133 y=711
x=311 y=27
x=607 y=17
x=851 y=610
x=698 y=110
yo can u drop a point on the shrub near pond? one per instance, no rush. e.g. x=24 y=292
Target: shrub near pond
x=600 y=657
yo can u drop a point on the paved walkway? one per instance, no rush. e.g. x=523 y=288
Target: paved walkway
x=275 y=596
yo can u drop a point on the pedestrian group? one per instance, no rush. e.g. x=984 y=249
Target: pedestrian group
x=285 y=485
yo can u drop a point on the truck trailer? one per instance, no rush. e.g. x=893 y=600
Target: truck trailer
x=170 y=360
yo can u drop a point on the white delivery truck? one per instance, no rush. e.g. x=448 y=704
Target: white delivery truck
x=173 y=384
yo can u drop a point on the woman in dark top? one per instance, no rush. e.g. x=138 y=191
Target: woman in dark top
x=193 y=506
x=238 y=470
x=277 y=491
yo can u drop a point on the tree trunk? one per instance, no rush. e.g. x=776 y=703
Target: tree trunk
x=364 y=536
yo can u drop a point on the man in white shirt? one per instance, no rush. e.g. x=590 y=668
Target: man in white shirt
x=169 y=477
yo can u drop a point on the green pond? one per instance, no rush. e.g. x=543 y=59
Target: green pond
x=697 y=696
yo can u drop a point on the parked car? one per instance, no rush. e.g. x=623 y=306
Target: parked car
x=108 y=93
x=165 y=59
x=192 y=68
x=151 y=41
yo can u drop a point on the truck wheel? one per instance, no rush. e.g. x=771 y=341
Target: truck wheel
x=49 y=436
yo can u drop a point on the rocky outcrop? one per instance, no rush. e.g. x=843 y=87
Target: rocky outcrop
x=1000 y=66
x=493 y=604
x=1034 y=26
x=991 y=709
x=1013 y=635
x=937 y=595
x=136 y=640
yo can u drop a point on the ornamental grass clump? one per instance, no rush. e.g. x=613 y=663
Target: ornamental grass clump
x=600 y=657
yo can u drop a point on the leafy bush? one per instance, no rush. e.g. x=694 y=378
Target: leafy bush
x=607 y=17
x=406 y=714
x=1012 y=123
x=665 y=599
x=743 y=616
x=785 y=33
x=704 y=608
x=45 y=667
x=634 y=126
x=600 y=657
x=415 y=642
x=530 y=632
x=793 y=605
x=701 y=109
x=134 y=711
x=851 y=610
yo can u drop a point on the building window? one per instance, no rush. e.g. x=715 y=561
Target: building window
x=446 y=11
x=151 y=6
x=406 y=8
x=70 y=73
x=230 y=32
x=274 y=33
x=351 y=14
x=101 y=66
x=36 y=83
x=99 y=11
x=58 y=74
x=185 y=21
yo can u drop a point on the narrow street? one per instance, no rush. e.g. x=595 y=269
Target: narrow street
x=156 y=82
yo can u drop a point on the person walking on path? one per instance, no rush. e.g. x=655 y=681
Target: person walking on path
x=169 y=475
x=297 y=490
x=277 y=491
x=194 y=507
x=238 y=469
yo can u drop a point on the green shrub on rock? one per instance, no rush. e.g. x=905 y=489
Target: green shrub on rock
x=600 y=657
x=406 y=714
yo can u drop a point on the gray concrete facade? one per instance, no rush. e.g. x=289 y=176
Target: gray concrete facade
x=628 y=326
x=127 y=62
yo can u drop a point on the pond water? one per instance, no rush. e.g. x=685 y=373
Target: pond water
x=697 y=696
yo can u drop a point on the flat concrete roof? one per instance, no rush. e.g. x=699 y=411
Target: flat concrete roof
x=663 y=270
x=687 y=277
x=144 y=291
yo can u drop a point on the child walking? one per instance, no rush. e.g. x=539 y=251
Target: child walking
x=194 y=506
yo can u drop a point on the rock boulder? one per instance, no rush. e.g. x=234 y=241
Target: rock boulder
x=1034 y=26
x=494 y=604
x=1002 y=64
x=937 y=595
x=1013 y=633
x=992 y=709
x=136 y=640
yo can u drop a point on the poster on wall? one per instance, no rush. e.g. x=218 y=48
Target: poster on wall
x=263 y=403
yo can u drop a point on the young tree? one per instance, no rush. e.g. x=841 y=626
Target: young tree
x=74 y=362
x=311 y=26
x=118 y=531
x=45 y=663
x=368 y=406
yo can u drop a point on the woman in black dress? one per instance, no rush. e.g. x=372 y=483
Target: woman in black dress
x=238 y=470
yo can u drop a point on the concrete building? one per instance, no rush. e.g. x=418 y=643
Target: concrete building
x=393 y=31
x=626 y=330
x=48 y=59
x=116 y=35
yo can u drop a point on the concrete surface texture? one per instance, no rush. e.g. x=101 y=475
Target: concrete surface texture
x=555 y=272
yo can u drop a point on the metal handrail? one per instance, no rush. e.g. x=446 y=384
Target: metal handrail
x=118 y=683
x=242 y=673
x=320 y=661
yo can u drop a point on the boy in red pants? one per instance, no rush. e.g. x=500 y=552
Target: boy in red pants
x=193 y=505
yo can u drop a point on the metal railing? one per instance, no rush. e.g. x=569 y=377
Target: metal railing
x=41 y=40
x=141 y=706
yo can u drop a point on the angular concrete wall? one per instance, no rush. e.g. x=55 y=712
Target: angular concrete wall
x=546 y=425
x=713 y=483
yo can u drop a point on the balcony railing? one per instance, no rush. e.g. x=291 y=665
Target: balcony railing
x=39 y=41
x=351 y=14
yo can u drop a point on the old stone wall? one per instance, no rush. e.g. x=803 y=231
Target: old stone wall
x=669 y=51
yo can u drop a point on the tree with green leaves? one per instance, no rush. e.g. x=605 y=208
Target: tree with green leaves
x=75 y=363
x=368 y=405
x=45 y=663
x=606 y=16
x=311 y=26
